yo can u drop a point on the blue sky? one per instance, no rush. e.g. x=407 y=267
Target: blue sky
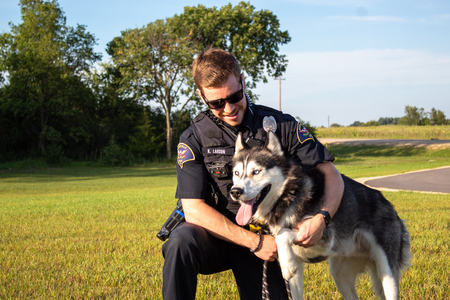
x=349 y=60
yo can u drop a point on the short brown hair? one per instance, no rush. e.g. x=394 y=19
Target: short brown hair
x=211 y=68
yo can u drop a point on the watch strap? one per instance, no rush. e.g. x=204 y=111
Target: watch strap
x=326 y=216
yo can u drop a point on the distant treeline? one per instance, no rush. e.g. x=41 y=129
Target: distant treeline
x=413 y=117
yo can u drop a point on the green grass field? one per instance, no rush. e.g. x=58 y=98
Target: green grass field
x=89 y=233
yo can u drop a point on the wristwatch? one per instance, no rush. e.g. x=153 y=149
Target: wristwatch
x=326 y=216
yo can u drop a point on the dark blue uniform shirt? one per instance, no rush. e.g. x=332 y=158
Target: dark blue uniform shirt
x=296 y=141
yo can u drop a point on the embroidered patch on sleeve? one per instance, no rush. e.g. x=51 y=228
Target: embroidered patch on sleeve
x=185 y=154
x=302 y=134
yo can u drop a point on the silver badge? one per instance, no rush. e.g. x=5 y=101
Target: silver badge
x=269 y=123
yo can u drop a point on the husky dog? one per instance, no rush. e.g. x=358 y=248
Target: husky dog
x=365 y=233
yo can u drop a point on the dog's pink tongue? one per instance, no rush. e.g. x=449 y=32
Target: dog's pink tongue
x=245 y=212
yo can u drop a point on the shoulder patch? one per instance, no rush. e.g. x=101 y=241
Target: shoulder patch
x=185 y=154
x=302 y=134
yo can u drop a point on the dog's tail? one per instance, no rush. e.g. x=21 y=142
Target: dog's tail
x=404 y=258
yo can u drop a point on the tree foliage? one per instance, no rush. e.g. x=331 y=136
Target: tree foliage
x=370 y=123
x=42 y=60
x=155 y=65
x=437 y=117
x=254 y=37
x=388 y=121
x=53 y=103
x=155 y=60
x=117 y=115
x=414 y=116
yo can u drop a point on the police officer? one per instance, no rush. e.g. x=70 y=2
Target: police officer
x=210 y=241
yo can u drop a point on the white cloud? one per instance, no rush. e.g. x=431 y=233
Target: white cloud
x=360 y=85
x=318 y=71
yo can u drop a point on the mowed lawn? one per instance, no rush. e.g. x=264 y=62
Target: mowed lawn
x=89 y=233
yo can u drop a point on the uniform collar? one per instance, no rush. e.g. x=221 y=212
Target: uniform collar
x=249 y=116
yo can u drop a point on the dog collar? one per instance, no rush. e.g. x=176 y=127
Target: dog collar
x=326 y=216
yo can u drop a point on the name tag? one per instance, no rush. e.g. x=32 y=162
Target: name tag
x=218 y=151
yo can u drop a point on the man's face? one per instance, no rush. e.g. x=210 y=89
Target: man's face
x=232 y=114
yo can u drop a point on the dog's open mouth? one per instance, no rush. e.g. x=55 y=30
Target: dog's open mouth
x=249 y=207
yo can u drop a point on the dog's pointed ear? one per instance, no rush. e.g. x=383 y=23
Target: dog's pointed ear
x=239 y=143
x=273 y=144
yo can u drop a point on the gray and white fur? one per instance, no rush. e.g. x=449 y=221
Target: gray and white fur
x=364 y=234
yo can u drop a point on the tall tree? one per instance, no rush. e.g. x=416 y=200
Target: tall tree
x=156 y=59
x=413 y=116
x=155 y=65
x=44 y=59
x=437 y=117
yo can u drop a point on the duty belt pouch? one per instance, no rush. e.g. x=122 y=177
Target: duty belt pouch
x=175 y=219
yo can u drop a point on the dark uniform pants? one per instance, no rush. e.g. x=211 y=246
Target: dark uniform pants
x=191 y=250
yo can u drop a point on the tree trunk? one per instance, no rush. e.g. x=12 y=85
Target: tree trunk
x=41 y=145
x=168 y=136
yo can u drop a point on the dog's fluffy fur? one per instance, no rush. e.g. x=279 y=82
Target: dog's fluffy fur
x=365 y=233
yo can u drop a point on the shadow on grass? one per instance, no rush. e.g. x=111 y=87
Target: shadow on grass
x=85 y=173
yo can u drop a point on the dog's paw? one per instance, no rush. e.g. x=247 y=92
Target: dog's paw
x=288 y=270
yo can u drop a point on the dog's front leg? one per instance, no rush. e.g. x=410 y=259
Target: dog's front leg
x=284 y=239
x=290 y=268
x=296 y=282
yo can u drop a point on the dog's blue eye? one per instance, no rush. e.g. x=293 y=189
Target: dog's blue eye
x=256 y=172
x=236 y=173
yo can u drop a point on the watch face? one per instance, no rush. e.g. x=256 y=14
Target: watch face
x=326 y=216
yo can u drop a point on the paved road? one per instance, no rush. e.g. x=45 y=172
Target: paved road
x=435 y=180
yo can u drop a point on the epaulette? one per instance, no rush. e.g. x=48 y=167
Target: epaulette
x=269 y=109
x=199 y=117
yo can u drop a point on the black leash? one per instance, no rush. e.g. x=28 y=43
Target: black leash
x=265 y=286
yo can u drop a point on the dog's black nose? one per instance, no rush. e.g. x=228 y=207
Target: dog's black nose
x=236 y=192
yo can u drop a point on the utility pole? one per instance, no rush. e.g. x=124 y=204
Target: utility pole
x=279 y=83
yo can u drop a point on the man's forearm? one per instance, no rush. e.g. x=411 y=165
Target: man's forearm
x=334 y=187
x=199 y=213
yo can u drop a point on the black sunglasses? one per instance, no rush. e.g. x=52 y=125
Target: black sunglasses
x=220 y=103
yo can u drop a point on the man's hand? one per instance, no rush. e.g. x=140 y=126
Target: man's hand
x=310 y=231
x=268 y=248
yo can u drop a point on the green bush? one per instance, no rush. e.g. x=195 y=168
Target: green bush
x=54 y=156
x=112 y=155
